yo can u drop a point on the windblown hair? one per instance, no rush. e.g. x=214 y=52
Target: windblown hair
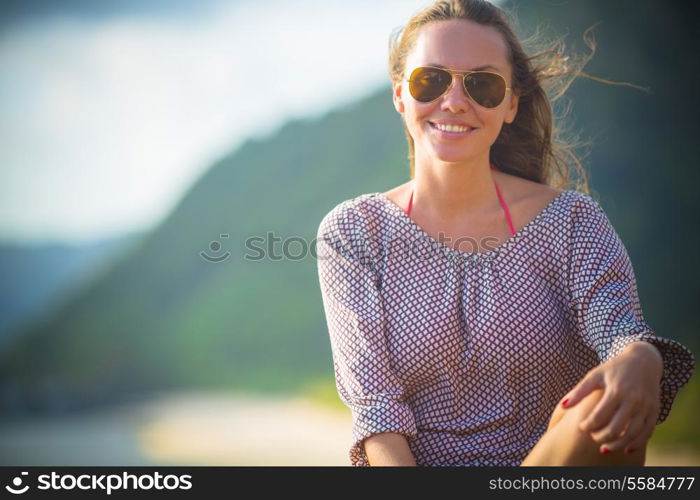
x=532 y=147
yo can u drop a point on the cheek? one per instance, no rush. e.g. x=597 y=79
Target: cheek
x=493 y=121
x=416 y=120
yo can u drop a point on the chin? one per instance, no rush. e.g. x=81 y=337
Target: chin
x=453 y=156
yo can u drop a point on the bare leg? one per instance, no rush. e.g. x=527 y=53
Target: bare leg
x=564 y=444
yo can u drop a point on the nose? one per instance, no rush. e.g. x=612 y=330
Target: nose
x=456 y=99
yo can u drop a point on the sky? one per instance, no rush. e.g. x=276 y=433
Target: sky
x=110 y=110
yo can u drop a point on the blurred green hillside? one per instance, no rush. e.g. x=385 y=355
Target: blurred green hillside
x=163 y=317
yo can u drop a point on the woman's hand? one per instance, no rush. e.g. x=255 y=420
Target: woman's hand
x=625 y=417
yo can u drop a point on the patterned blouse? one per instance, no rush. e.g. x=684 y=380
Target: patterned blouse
x=467 y=354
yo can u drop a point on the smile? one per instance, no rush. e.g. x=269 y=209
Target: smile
x=451 y=131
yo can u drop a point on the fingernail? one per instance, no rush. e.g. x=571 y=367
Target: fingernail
x=605 y=450
x=564 y=402
x=630 y=450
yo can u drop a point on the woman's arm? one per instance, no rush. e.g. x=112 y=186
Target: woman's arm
x=626 y=415
x=389 y=448
x=357 y=325
x=640 y=371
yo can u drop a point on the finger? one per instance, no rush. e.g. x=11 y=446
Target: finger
x=582 y=389
x=632 y=433
x=602 y=413
x=636 y=425
x=619 y=421
x=642 y=437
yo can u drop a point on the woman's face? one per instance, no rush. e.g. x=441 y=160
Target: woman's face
x=459 y=45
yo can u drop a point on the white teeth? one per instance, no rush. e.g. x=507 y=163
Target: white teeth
x=451 y=128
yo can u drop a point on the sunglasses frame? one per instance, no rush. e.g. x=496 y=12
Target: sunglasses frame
x=464 y=74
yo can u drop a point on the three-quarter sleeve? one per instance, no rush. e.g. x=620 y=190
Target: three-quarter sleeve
x=356 y=322
x=605 y=302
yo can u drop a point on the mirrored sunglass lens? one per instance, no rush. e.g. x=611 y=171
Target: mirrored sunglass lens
x=487 y=89
x=427 y=84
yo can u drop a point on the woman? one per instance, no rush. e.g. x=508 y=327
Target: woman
x=526 y=346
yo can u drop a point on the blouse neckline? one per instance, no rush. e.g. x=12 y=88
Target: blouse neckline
x=453 y=252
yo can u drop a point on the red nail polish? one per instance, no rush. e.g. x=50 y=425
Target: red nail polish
x=605 y=450
x=564 y=402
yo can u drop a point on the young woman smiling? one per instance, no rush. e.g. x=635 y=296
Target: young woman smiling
x=528 y=345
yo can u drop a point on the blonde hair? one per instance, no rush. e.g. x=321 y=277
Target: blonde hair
x=532 y=147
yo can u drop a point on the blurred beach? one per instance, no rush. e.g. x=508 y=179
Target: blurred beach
x=184 y=429
x=203 y=428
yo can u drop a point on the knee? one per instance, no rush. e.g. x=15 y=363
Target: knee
x=586 y=406
x=578 y=412
x=582 y=442
x=575 y=415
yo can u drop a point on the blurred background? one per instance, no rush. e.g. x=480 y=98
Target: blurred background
x=164 y=166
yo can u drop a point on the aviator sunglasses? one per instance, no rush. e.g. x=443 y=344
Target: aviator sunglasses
x=485 y=88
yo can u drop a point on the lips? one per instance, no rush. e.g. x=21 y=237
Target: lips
x=450 y=122
x=444 y=134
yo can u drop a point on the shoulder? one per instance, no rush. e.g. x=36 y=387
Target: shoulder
x=591 y=231
x=530 y=198
x=399 y=195
x=349 y=216
x=525 y=193
x=354 y=225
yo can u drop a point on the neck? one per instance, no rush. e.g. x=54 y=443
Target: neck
x=447 y=190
